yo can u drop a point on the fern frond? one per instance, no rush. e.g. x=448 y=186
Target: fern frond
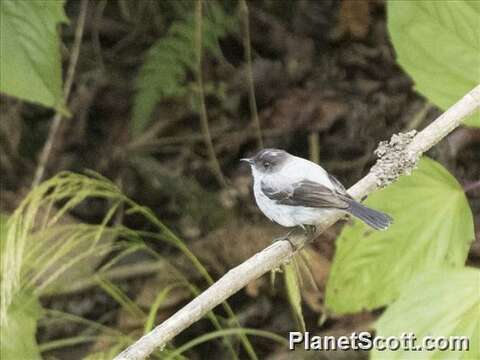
x=171 y=58
x=40 y=242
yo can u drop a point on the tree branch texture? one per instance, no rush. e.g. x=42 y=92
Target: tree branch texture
x=396 y=158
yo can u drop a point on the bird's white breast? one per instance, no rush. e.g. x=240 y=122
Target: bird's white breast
x=278 y=213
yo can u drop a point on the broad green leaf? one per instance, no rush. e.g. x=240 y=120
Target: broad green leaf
x=438 y=45
x=433 y=228
x=293 y=292
x=31 y=67
x=441 y=303
x=3 y=228
x=3 y=233
x=18 y=331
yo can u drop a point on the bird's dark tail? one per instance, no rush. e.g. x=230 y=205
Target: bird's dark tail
x=373 y=218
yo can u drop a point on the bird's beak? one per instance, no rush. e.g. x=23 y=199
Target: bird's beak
x=248 y=160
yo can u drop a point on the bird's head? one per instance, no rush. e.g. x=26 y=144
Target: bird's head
x=267 y=161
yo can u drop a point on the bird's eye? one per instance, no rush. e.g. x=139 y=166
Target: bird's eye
x=266 y=164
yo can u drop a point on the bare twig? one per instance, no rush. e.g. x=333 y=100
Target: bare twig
x=148 y=137
x=472 y=186
x=121 y=272
x=251 y=86
x=203 y=108
x=279 y=252
x=57 y=119
x=232 y=137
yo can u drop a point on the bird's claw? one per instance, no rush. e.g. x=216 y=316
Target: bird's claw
x=283 y=237
x=297 y=241
x=294 y=241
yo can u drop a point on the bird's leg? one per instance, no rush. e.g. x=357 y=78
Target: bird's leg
x=293 y=240
x=310 y=230
x=284 y=237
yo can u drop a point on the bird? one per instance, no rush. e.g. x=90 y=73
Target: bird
x=293 y=191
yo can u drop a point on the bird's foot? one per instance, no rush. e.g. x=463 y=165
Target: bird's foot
x=294 y=239
x=310 y=230
x=284 y=237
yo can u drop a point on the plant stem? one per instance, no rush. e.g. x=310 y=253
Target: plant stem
x=251 y=87
x=203 y=108
x=419 y=117
x=57 y=119
x=314 y=146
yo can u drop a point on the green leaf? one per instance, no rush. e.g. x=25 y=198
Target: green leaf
x=293 y=292
x=3 y=234
x=433 y=227
x=30 y=46
x=169 y=60
x=3 y=229
x=159 y=299
x=442 y=303
x=18 y=331
x=438 y=45
x=222 y=334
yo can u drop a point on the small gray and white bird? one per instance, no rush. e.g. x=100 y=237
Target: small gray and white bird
x=292 y=191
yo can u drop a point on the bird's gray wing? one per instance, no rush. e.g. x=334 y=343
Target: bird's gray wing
x=337 y=184
x=307 y=193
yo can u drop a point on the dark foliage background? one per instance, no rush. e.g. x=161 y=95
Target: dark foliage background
x=327 y=87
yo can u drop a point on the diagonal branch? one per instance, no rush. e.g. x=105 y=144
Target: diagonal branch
x=395 y=159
